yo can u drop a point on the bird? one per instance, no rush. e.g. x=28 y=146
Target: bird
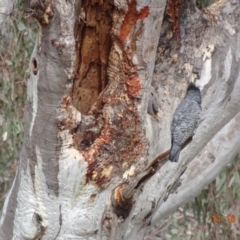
x=185 y=121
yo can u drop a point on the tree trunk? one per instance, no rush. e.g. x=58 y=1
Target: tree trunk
x=6 y=7
x=106 y=77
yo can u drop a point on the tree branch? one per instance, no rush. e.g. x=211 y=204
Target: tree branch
x=204 y=168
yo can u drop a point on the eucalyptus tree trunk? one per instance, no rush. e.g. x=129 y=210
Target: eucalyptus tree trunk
x=6 y=7
x=105 y=79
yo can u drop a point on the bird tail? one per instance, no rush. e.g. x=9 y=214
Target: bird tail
x=174 y=152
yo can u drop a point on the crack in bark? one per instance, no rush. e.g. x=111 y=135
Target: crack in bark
x=60 y=221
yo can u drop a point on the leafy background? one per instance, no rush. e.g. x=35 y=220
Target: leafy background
x=213 y=214
x=17 y=38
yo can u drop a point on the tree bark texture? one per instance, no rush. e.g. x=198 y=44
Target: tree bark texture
x=106 y=77
x=6 y=7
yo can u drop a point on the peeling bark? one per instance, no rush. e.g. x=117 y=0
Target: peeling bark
x=106 y=77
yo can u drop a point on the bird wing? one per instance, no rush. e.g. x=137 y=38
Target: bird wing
x=185 y=120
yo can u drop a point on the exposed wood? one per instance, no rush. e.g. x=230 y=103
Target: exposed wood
x=93 y=128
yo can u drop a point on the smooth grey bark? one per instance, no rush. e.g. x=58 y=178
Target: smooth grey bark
x=82 y=157
x=215 y=59
x=6 y=7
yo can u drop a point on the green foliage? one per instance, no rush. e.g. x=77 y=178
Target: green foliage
x=213 y=214
x=17 y=38
x=204 y=3
x=219 y=204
